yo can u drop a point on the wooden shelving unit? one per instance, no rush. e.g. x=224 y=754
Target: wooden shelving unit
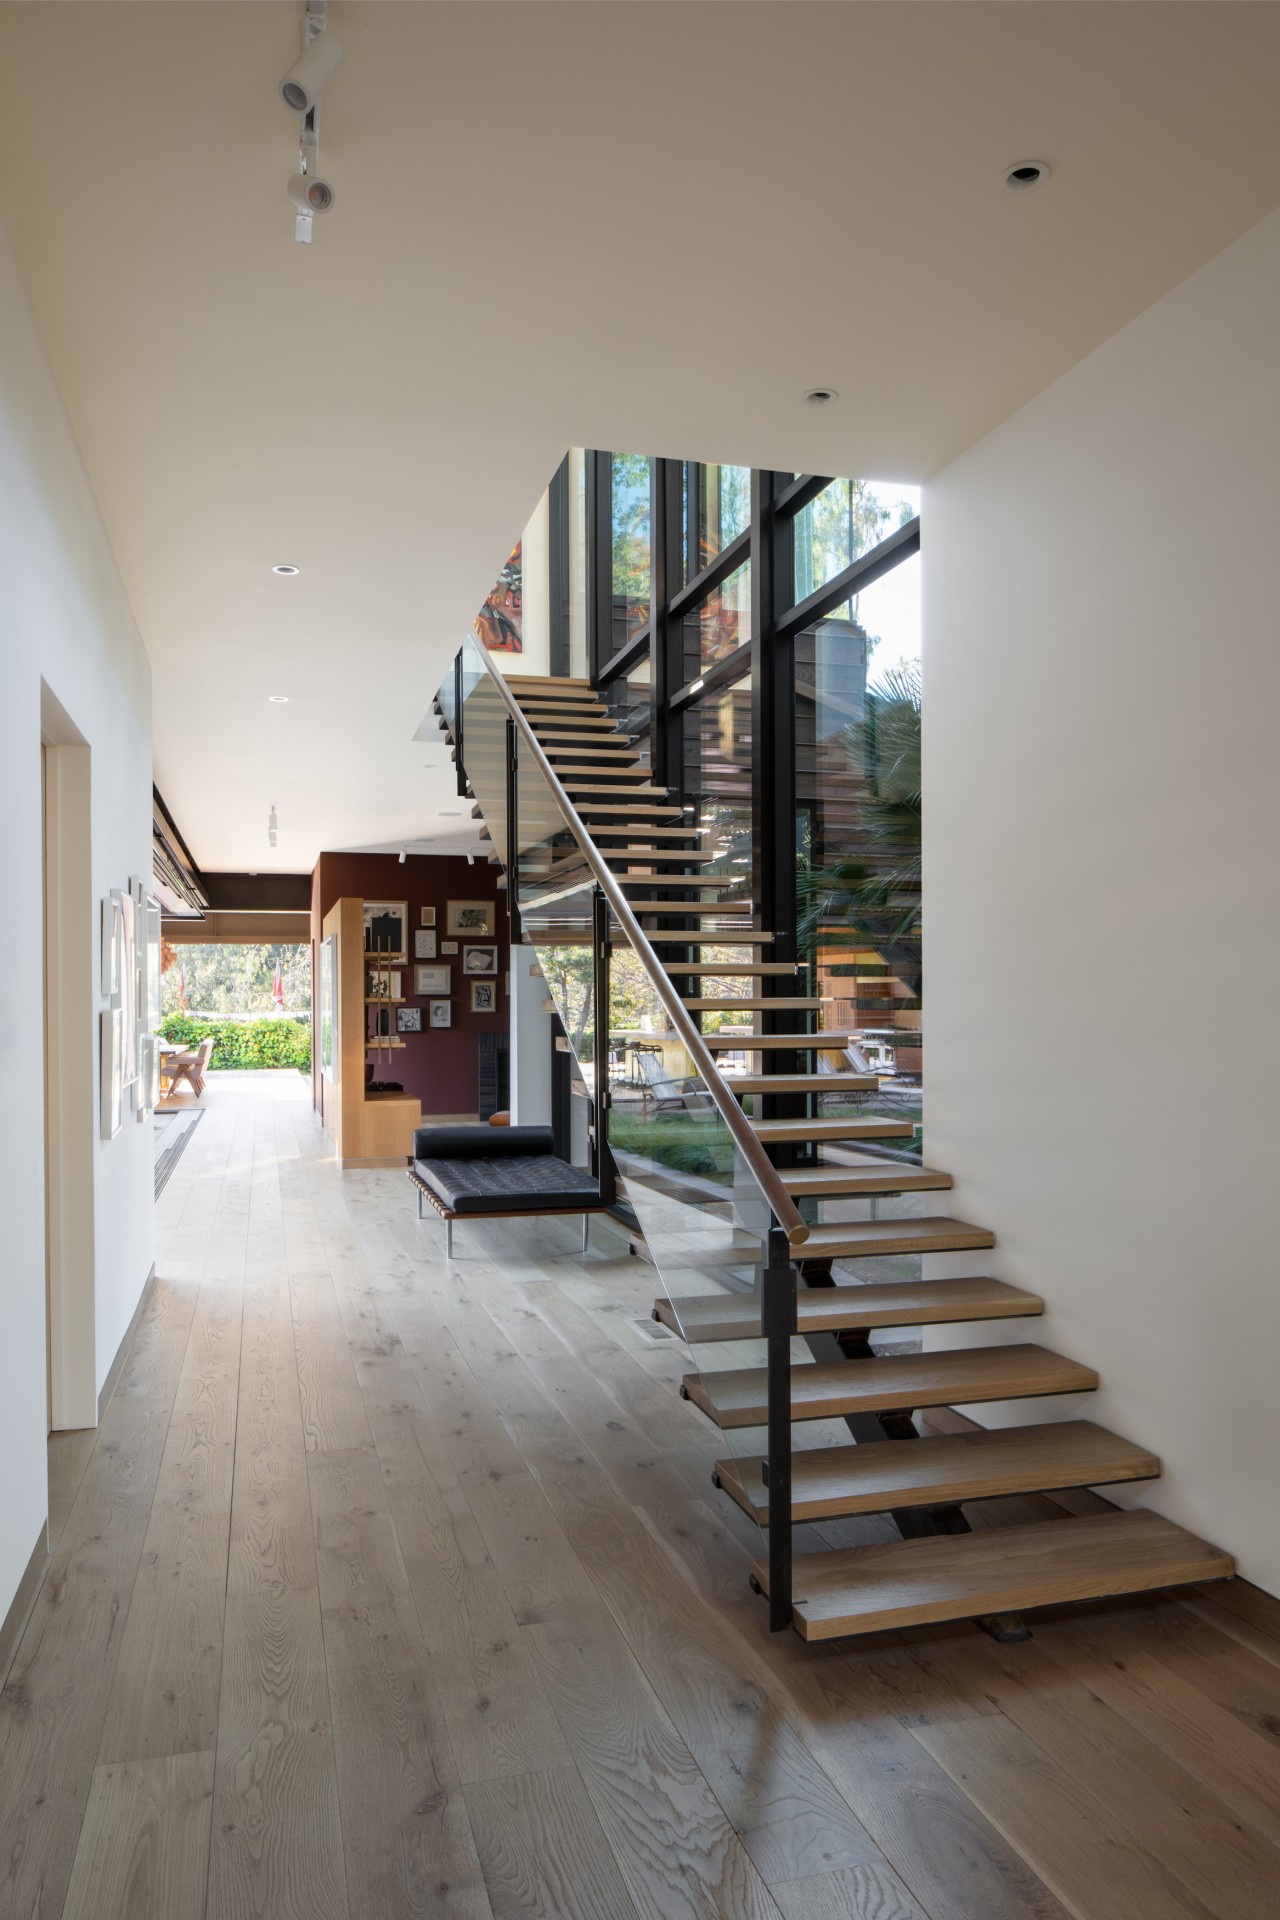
x=366 y=1128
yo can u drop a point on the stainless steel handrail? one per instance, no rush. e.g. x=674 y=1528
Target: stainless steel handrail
x=765 y=1174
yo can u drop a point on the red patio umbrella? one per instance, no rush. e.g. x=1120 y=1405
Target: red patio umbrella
x=277 y=991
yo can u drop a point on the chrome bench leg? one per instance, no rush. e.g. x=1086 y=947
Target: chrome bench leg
x=448 y=1239
x=586 y=1223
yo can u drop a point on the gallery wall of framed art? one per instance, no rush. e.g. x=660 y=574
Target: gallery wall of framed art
x=434 y=927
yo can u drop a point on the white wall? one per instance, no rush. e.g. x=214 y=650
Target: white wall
x=64 y=619
x=1102 y=799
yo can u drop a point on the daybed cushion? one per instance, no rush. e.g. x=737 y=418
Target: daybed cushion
x=486 y=1143
x=525 y=1183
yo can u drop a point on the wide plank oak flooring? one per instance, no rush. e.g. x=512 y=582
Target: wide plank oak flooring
x=390 y=1587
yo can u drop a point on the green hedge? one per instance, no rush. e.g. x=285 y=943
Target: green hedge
x=270 y=1042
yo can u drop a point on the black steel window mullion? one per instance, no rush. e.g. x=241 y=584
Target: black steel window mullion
x=558 y=581
x=861 y=573
x=721 y=673
x=799 y=492
x=626 y=657
x=599 y=562
x=688 y=599
x=666 y=740
x=773 y=729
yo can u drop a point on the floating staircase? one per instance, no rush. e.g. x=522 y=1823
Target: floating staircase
x=819 y=1422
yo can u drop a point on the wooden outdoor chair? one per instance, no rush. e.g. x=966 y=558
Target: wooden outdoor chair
x=191 y=1067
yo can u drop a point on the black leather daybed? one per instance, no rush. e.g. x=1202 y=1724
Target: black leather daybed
x=497 y=1173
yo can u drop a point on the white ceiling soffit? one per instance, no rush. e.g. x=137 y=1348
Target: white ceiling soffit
x=547 y=232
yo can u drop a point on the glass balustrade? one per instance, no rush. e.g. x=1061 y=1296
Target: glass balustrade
x=684 y=1169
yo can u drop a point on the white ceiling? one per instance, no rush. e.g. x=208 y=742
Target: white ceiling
x=547 y=233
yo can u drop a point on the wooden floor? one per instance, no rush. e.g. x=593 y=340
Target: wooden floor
x=389 y=1587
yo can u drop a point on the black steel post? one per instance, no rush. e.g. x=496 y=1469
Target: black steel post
x=558 y=583
x=606 y=1173
x=773 y=746
x=599 y=563
x=513 y=821
x=778 y=1317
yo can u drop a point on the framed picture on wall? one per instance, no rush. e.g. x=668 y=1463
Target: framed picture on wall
x=408 y=1019
x=484 y=996
x=111 y=1092
x=428 y=916
x=386 y=926
x=424 y=944
x=432 y=980
x=440 y=1013
x=479 y=959
x=448 y=946
x=471 y=916
x=112 y=933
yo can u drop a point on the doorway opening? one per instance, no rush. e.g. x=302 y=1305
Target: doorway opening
x=70 y=1078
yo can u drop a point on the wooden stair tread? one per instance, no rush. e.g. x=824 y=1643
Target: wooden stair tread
x=875 y=1176
x=604 y=832
x=594 y=742
x=608 y=794
x=858 y=1126
x=731 y=969
x=801 y=1082
x=737 y=1398
x=637 y=770
x=646 y=810
x=750 y=1041
x=887 y=1303
x=904 y=1583
x=940 y=1469
x=780 y=1005
x=862 y=1239
x=693 y=937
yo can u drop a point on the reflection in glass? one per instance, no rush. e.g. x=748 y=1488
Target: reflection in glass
x=627 y=698
x=719 y=624
x=858 y=839
x=717 y=780
x=630 y=532
x=724 y=509
x=847 y=519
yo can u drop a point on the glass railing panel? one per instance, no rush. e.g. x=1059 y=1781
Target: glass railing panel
x=700 y=1207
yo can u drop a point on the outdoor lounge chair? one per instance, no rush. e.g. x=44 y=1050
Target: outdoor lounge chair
x=497 y=1173
x=668 y=1095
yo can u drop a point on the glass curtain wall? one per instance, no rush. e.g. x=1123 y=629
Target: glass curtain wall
x=818 y=822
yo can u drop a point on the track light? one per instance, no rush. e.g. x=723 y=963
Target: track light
x=310 y=194
x=314 y=67
x=271 y=826
x=402 y=856
x=471 y=859
x=300 y=90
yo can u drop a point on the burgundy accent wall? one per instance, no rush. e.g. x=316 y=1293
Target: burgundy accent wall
x=440 y=1065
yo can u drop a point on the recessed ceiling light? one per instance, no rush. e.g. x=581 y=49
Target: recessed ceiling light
x=820 y=396
x=278 y=699
x=1025 y=175
x=287 y=571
